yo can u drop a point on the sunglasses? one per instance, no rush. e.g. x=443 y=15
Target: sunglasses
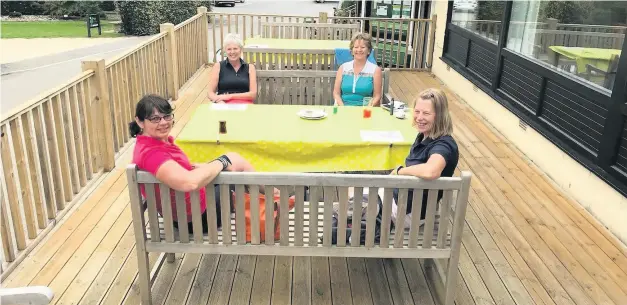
x=157 y=119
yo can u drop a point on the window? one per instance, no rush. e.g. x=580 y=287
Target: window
x=583 y=38
x=480 y=17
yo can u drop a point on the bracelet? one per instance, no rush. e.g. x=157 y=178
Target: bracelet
x=224 y=160
x=398 y=169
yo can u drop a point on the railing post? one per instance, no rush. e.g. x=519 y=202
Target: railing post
x=434 y=21
x=323 y=17
x=171 y=60
x=205 y=33
x=101 y=94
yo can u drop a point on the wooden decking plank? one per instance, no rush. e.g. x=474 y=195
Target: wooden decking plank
x=96 y=276
x=573 y=275
x=243 y=282
x=282 y=282
x=184 y=279
x=462 y=296
x=320 y=281
x=28 y=269
x=553 y=230
x=475 y=283
x=542 y=262
x=124 y=288
x=88 y=254
x=416 y=282
x=262 y=282
x=205 y=277
x=301 y=280
x=486 y=248
x=399 y=288
x=221 y=289
x=90 y=241
x=585 y=222
x=162 y=285
x=340 y=283
x=360 y=289
x=380 y=289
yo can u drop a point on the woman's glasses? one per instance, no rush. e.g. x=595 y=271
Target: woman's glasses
x=157 y=119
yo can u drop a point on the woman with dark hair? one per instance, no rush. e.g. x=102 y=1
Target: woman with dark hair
x=156 y=153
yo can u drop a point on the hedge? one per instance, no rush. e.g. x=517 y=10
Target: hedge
x=143 y=17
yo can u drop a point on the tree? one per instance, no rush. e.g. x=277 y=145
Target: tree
x=144 y=17
x=565 y=11
x=59 y=9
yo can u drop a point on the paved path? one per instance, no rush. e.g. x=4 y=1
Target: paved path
x=27 y=79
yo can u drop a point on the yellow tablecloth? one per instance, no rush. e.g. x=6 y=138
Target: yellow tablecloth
x=583 y=56
x=274 y=138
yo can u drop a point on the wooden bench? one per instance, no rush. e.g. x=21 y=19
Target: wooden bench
x=316 y=31
x=302 y=87
x=289 y=59
x=439 y=238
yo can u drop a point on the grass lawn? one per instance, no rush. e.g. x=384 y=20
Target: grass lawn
x=60 y=28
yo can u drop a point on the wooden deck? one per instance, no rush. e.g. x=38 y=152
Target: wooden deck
x=524 y=243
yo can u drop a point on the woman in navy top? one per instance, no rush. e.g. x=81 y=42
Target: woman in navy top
x=233 y=80
x=434 y=154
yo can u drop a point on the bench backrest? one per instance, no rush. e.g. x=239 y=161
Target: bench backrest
x=301 y=87
x=289 y=59
x=438 y=238
x=316 y=31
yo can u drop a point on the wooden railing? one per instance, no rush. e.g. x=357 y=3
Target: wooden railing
x=192 y=45
x=51 y=150
x=55 y=148
x=398 y=43
x=302 y=59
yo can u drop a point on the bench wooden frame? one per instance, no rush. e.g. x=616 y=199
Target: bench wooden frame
x=289 y=59
x=315 y=31
x=298 y=235
x=303 y=87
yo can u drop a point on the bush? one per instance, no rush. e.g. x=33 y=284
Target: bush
x=15 y=14
x=58 y=9
x=108 y=6
x=144 y=17
x=23 y=7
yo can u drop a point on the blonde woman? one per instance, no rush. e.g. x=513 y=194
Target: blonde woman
x=358 y=78
x=434 y=154
x=233 y=80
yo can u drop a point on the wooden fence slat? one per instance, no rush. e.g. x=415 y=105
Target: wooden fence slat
x=60 y=141
x=12 y=187
x=78 y=136
x=85 y=121
x=37 y=180
x=70 y=140
x=24 y=168
x=9 y=242
x=44 y=154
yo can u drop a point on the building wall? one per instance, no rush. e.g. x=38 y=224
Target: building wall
x=600 y=199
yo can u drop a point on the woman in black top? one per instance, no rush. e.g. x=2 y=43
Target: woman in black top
x=233 y=80
x=434 y=154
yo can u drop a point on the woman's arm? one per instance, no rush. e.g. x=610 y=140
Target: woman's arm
x=376 y=94
x=252 y=87
x=177 y=177
x=214 y=77
x=337 y=87
x=430 y=170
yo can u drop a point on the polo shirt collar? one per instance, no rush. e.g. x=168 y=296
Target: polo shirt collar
x=228 y=63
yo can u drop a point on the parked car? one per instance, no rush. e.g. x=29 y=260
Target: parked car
x=465 y=5
x=224 y=2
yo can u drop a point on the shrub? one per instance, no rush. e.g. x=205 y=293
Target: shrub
x=15 y=14
x=24 y=7
x=144 y=17
x=59 y=9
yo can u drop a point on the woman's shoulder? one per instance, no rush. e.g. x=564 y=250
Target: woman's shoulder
x=348 y=66
x=447 y=140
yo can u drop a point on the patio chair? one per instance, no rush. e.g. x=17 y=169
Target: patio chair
x=607 y=77
x=35 y=295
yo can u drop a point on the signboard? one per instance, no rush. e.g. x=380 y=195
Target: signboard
x=93 y=21
x=384 y=10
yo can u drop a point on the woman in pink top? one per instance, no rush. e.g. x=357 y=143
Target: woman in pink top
x=155 y=152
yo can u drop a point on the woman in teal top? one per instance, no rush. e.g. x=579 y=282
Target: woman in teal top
x=358 y=78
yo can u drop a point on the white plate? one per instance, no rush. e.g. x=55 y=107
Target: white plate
x=312 y=114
